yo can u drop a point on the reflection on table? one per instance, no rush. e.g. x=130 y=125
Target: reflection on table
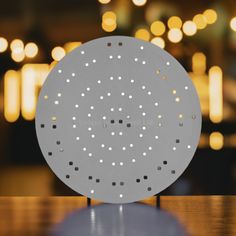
x=200 y=215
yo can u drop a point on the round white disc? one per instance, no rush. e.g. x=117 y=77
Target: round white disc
x=118 y=119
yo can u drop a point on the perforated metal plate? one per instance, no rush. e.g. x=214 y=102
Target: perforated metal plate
x=118 y=119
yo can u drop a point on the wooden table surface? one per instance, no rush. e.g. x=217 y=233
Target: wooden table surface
x=201 y=215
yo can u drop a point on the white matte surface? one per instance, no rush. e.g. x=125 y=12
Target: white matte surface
x=118 y=119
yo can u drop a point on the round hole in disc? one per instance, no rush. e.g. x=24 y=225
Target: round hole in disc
x=86 y=84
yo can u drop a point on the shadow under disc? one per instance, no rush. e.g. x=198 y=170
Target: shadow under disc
x=119 y=220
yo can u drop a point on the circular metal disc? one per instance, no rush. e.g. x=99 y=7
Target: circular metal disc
x=118 y=119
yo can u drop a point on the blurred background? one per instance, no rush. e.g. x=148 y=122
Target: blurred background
x=35 y=35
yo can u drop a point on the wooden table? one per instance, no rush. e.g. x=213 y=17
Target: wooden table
x=201 y=215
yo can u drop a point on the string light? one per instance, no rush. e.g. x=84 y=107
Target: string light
x=3 y=44
x=158 y=28
x=31 y=50
x=175 y=35
x=233 y=24
x=142 y=34
x=200 y=21
x=58 y=53
x=139 y=3
x=189 y=28
x=210 y=16
x=158 y=41
x=174 y=22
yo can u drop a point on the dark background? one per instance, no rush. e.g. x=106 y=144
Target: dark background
x=23 y=170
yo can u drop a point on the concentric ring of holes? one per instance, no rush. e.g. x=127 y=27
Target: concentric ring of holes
x=112 y=124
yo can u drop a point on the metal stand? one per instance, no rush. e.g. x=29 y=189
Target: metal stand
x=88 y=202
x=158 y=201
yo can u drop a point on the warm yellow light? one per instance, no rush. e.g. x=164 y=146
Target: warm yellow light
x=31 y=50
x=11 y=95
x=104 y=1
x=233 y=24
x=139 y=2
x=215 y=94
x=18 y=56
x=3 y=44
x=175 y=35
x=174 y=22
x=71 y=46
x=40 y=72
x=58 y=53
x=158 y=28
x=52 y=65
x=17 y=46
x=142 y=34
x=199 y=63
x=109 y=21
x=108 y=28
x=210 y=15
x=28 y=92
x=109 y=18
x=216 y=140
x=158 y=41
x=189 y=28
x=200 y=21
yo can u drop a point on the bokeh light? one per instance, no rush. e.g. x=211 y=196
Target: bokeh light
x=172 y=25
x=216 y=140
x=109 y=18
x=199 y=63
x=216 y=94
x=109 y=21
x=28 y=92
x=233 y=24
x=108 y=28
x=58 y=53
x=210 y=16
x=139 y=2
x=142 y=34
x=104 y=1
x=200 y=21
x=158 y=28
x=158 y=41
x=11 y=95
x=71 y=46
x=175 y=35
x=17 y=46
x=189 y=28
x=3 y=44
x=31 y=50
x=18 y=56
x=174 y=22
